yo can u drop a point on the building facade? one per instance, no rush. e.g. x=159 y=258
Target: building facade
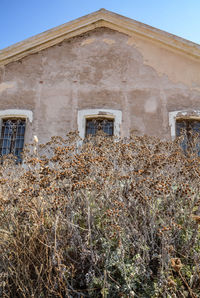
x=101 y=71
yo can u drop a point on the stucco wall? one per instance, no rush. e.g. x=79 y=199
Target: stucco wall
x=101 y=69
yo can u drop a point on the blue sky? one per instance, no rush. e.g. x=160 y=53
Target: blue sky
x=20 y=19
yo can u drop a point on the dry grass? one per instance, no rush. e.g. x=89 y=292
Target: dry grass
x=110 y=218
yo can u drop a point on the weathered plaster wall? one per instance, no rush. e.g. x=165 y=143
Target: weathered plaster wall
x=101 y=69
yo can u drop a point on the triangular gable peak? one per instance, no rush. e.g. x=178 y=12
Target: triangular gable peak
x=100 y=18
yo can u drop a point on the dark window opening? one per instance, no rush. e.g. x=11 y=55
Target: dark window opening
x=99 y=124
x=190 y=130
x=12 y=137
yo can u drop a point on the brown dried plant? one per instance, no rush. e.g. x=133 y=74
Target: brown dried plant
x=102 y=218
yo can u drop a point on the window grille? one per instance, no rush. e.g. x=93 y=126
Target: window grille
x=12 y=137
x=99 y=124
x=190 y=129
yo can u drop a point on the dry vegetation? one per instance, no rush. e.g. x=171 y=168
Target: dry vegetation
x=110 y=218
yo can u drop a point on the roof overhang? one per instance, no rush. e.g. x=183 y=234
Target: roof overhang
x=100 y=18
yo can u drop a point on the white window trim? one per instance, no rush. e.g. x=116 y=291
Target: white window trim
x=15 y=113
x=195 y=114
x=88 y=113
x=27 y=114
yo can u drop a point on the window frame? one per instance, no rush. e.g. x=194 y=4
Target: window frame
x=26 y=115
x=98 y=117
x=83 y=115
x=181 y=114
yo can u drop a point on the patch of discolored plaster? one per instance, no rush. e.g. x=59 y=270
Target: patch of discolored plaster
x=177 y=66
x=109 y=41
x=2 y=73
x=8 y=85
x=150 y=105
x=88 y=41
x=138 y=125
x=130 y=41
x=196 y=89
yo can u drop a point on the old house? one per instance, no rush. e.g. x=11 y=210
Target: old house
x=101 y=71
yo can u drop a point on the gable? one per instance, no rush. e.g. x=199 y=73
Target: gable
x=104 y=57
x=101 y=18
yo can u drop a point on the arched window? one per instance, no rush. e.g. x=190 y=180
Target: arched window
x=13 y=126
x=186 y=124
x=92 y=120
x=99 y=123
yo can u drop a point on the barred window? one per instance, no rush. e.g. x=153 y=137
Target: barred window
x=12 y=137
x=99 y=124
x=190 y=129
